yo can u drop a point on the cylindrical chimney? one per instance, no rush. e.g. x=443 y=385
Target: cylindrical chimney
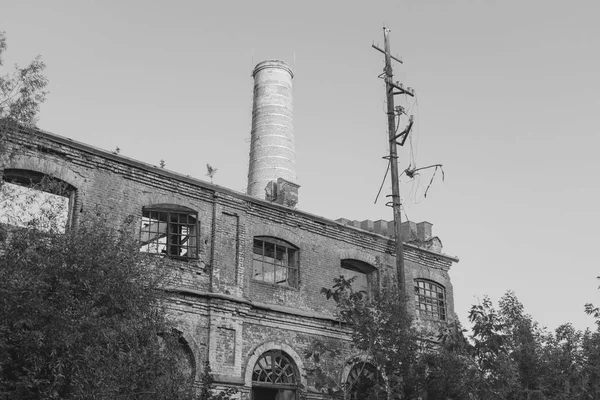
x=272 y=150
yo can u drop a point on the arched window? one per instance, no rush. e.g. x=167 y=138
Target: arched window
x=274 y=377
x=364 y=381
x=275 y=261
x=430 y=299
x=170 y=230
x=31 y=198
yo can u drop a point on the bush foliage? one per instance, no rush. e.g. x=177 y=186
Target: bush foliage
x=82 y=316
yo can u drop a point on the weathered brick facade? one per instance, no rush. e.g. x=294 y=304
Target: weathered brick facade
x=224 y=314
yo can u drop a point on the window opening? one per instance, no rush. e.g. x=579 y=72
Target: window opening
x=169 y=232
x=430 y=299
x=360 y=283
x=274 y=377
x=33 y=199
x=275 y=261
x=363 y=273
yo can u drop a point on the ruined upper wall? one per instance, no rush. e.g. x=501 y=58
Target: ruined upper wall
x=228 y=222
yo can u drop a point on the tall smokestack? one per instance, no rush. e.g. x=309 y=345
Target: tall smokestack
x=272 y=172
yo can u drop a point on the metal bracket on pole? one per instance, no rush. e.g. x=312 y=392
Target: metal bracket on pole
x=404 y=134
x=401 y=89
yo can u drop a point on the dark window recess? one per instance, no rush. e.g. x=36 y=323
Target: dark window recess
x=365 y=275
x=363 y=381
x=172 y=233
x=275 y=261
x=430 y=299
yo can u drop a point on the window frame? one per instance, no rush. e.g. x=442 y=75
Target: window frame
x=427 y=304
x=170 y=210
x=362 y=267
x=292 y=254
x=43 y=183
x=269 y=366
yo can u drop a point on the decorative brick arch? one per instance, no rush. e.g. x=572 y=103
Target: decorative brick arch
x=263 y=348
x=288 y=235
x=51 y=168
x=355 y=254
x=158 y=199
x=193 y=348
x=431 y=275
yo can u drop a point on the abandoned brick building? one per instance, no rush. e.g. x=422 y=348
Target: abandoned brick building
x=251 y=265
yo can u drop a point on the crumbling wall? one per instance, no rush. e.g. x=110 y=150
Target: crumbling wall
x=223 y=313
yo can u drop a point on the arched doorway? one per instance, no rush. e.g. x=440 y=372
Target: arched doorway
x=274 y=377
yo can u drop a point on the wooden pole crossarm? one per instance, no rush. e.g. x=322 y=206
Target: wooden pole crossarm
x=382 y=51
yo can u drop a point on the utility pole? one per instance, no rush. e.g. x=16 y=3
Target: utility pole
x=393 y=89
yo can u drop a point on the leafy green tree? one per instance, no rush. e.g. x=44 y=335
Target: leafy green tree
x=452 y=371
x=563 y=363
x=507 y=356
x=22 y=90
x=520 y=360
x=495 y=346
x=591 y=365
x=82 y=315
x=82 y=311
x=383 y=332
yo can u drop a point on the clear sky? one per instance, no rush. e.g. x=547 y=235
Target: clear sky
x=507 y=100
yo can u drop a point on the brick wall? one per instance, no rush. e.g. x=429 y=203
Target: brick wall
x=225 y=315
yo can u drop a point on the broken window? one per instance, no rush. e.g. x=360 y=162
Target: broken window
x=275 y=261
x=169 y=230
x=430 y=299
x=363 y=274
x=30 y=199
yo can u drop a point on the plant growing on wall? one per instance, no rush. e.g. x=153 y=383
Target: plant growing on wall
x=211 y=172
x=208 y=390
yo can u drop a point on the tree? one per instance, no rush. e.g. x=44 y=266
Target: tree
x=82 y=311
x=451 y=369
x=22 y=91
x=507 y=356
x=383 y=332
x=82 y=315
x=516 y=359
